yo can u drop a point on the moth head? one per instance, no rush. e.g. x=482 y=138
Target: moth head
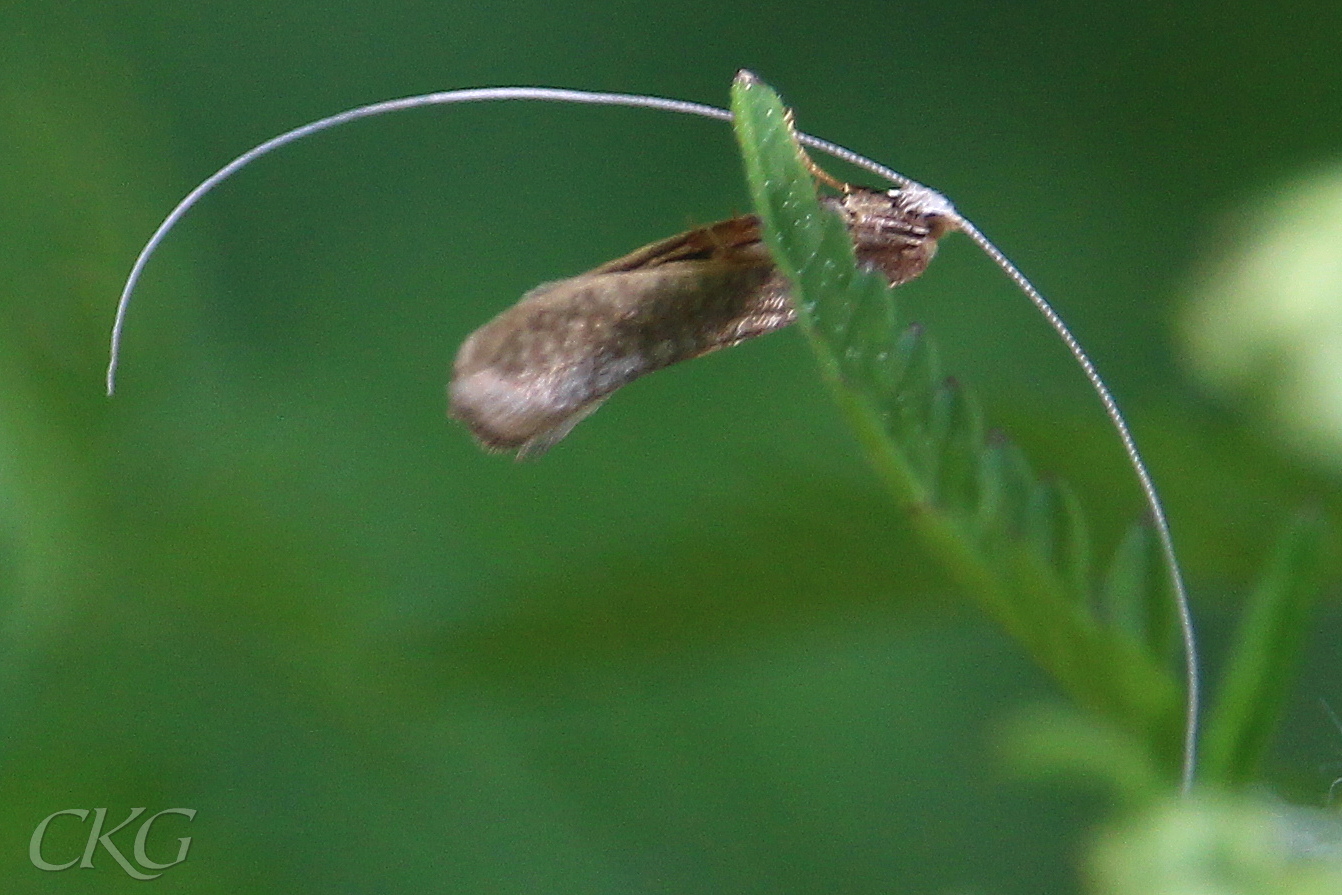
x=934 y=209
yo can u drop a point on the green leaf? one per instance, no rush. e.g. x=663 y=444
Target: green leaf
x=1135 y=597
x=1055 y=524
x=1048 y=742
x=1006 y=482
x=1218 y=843
x=1017 y=546
x=1262 y=664
x=955 y=438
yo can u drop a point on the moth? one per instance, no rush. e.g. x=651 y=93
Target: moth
x=523 y=380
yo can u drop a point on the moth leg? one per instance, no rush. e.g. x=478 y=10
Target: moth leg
x=817 y=172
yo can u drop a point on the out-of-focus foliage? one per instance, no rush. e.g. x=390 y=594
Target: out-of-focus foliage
x=1221 y=846
x=1265 y=322
x=1263 y=667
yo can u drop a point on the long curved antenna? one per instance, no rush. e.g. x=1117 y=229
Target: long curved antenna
x=1154 y=506
x=442 y=98
x=562 y=95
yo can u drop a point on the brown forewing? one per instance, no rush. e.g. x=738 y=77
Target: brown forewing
x=523 y=380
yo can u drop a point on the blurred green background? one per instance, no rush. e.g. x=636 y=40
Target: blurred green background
x=693 y=649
